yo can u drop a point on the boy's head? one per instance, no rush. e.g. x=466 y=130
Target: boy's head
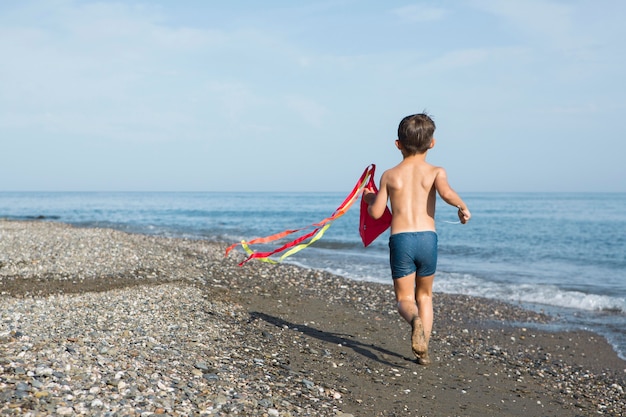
x=415 y=133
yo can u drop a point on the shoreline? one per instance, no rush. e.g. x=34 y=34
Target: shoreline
x=262 y=339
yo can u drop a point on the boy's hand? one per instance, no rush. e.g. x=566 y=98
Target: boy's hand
x=464 y=214
x=369 y=195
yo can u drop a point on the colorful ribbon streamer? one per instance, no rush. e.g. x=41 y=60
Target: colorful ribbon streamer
x=307 y=239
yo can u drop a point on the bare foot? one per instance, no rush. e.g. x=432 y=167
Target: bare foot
x=418 y=342
x=423 y=358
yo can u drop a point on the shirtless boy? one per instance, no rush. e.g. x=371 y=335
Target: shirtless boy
x=411 y=188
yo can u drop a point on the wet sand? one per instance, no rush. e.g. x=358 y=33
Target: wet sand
x=96 y=321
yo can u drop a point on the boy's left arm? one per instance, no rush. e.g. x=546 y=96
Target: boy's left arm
x=450 y=196
x=464 y=214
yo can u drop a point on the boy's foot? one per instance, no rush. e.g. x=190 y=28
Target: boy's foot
x=423 y=358
x=418 y=341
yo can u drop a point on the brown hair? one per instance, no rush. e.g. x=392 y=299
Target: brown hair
x=415 y=133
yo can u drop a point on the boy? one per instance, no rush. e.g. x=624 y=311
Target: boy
x=410 y=187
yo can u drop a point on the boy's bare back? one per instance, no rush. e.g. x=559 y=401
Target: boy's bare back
x=412 y=187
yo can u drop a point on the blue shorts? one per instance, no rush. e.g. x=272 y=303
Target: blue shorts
x=411 y=252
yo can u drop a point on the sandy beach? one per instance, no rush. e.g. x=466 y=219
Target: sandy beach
x=101 y=322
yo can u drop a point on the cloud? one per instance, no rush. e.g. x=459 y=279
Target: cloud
x=269 y=81
x=576 y=110
x=419 y=13
x=310 y=111
x=102 y=70
x=457 y=59
x=235 y=101
x=549 y=24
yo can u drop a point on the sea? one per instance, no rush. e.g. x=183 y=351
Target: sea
x=559 y=253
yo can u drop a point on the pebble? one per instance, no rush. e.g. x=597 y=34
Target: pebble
x=104 y=323
x=162 y=348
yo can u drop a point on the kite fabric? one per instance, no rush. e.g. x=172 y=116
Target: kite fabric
x=370 y=228
x=319 y=228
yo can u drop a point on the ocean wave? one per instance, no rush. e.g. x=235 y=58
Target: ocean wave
x=549 y=295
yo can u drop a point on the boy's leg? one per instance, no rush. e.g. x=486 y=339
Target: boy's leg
x=407 y=307
x=424 y=299
x=405 y=296
x=414 y=297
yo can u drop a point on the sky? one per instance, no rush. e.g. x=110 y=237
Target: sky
x=191 y=95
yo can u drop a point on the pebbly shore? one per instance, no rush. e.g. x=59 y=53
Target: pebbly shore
x=104 y=323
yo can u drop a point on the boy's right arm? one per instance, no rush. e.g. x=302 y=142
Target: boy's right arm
x=450 y=196
x=377 y=203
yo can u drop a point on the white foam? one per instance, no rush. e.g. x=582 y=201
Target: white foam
x=549 y=295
